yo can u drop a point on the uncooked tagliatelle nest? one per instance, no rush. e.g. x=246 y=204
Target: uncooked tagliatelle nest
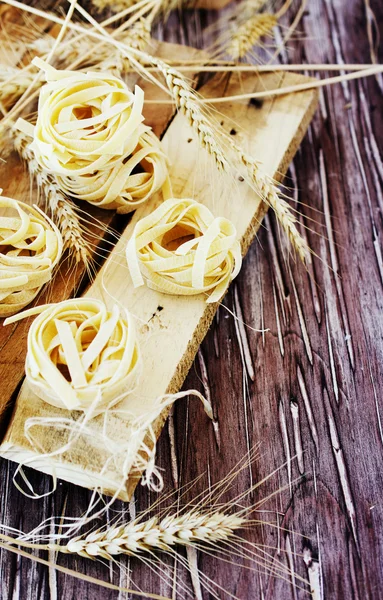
x=30 y=248
x=90 y=136
x=82 y=356
x=85 y=121
x=182 y=249
x=128 y=183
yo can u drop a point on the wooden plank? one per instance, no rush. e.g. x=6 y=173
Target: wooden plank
x=67 y=279
x=171 y=328
x=253 y=400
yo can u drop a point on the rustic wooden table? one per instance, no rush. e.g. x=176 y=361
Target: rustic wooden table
x=309 y=390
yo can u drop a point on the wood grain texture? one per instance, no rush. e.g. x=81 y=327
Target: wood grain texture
x=310 y=388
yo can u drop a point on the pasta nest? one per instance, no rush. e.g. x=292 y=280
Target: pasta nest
x=181 y=248
x=80 y=355
x=128 y=183
x=90 y=136
x=86 y=121
x=30 y=248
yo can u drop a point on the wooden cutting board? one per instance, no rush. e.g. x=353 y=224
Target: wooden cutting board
x=170 y=328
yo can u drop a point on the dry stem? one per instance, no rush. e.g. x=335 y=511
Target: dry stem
x=77 y=574
x=101 y=57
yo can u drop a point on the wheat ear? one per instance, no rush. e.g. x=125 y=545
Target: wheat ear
x=281 y=208
x=65 y=214
x=249 y=7
x=270 y=195
x=63 y=210
x=187 y=102
x=136 y=537
x=138 y=37
x=246 y=35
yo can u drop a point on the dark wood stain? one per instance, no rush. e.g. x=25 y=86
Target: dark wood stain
x=309 y=389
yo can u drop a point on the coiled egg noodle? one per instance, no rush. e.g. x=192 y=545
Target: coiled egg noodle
x=30 y=248
x=80 y=355
x=180 y=248
x=86 y=121
x=128 y=183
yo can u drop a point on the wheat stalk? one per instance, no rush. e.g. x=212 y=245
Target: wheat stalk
x=270 y=195
x=187 y=103
x=238 y=30
x=188 y=529
x=206 y=531
x=206 y=524
x=247 y=34
x=138 y=36
x=63 y=210
x=135 y=537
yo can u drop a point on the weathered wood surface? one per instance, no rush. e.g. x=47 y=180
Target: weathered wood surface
x=313 y=382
